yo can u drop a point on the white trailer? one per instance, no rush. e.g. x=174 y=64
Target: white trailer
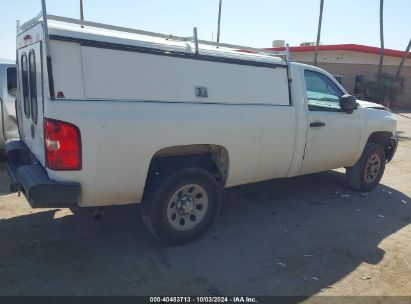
x=8 y=93
x=111 y=116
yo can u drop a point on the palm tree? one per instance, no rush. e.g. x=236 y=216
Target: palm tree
x=317 y=44
x=404 y=57
x=381 y=39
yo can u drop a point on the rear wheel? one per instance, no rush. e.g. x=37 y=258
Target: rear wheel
x=367 y=172
x=181 y=206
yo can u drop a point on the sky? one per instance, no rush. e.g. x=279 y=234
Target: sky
x=251 y=23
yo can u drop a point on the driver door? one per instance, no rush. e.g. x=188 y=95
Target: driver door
x=333 y=136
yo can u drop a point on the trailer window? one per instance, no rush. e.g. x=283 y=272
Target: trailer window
x=25 y=84
x=12 y=81
x=33 y=85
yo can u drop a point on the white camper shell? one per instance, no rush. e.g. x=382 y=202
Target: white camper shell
x=123 y=68
x=97 y=62
x=111 y=116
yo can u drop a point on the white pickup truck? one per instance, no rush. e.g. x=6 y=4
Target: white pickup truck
x=112 y=116
x=8 y=92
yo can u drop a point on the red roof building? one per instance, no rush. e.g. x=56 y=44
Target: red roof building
x=351 y=64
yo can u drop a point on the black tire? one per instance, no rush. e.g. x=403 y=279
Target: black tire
x=158 y=199
x=357 y=176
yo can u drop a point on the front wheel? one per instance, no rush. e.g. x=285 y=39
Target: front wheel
x=180 y=207
x=367 y=172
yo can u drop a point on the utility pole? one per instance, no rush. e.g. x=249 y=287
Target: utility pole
x=317 y=44
x=380 y=65
x=219 y=22
x=81 y=12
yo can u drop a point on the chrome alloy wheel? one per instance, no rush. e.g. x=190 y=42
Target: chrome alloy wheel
x=187 y=207
x=372 y=168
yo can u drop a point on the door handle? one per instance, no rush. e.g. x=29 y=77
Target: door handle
x=317 y=124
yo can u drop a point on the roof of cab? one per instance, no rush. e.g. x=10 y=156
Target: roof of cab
x=60 y=27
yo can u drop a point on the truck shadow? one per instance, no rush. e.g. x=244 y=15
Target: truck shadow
x=283 y=237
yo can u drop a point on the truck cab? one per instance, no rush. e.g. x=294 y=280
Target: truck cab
x=338 y=126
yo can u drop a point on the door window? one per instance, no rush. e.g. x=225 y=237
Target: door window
x=322 y=93
x=12 y=81
x=25 y=84
x=33 y=85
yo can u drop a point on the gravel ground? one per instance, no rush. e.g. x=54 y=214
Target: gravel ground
x=301 y=236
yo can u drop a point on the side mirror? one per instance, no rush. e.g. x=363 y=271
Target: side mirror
x=348 y=103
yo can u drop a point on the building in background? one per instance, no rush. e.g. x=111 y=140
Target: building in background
x=351 y=64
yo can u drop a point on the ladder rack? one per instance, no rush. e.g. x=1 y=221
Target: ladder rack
x=165 y=36
x=43 y=15
x=285 y=55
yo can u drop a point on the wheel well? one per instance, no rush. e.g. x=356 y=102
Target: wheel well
x=383 y=138
x=212 y=158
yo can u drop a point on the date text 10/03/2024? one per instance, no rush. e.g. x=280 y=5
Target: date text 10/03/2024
x=203 y=300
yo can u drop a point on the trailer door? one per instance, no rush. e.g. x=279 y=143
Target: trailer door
x=30 y=105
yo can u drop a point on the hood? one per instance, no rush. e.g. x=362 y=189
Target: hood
x=370 y=105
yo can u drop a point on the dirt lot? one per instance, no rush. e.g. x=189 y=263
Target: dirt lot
x=297 y=236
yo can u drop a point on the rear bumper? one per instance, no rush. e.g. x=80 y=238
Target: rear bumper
x=29 y=176
x=392 y=148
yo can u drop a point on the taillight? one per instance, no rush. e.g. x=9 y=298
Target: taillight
x=62 y=143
